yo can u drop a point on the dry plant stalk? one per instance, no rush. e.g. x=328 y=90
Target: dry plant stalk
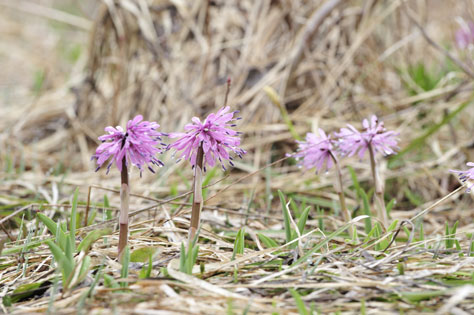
x=379 y=195
x=340 y=192
x=197 y=195
x=124 y=207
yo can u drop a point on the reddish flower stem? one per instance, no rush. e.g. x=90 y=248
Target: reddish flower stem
x=340 y=191
x=379 y=200
x=123 y=218
x=197 y=195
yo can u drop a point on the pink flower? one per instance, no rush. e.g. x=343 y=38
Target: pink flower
x=137 y=145
x=351 y=141
x=465 y=176
x=465 y=35
x=215 y=136
x=316 y=151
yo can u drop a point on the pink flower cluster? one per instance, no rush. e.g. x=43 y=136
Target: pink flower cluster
x=465 y=35
x=375 y=135
x=137 y=145
x=465 y=176
x=319 y=151
x=214 y=134
x=315 y=151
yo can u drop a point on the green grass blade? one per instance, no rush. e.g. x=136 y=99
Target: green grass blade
x=98 y=275
x=299 y=302
x=423 y=295
x=239 y=243
x=68 y=251
x=50 y=224
x=145 y=272
x=407 y=232
x=392 y=226
x=125 y=265
x=320 y=213
x=355 y=181
x=371 y=234
x=85 y=266
x=72 y=226
x=422 y=232
x=471 y=247
x=295 y=208
x=18 y=249
x=390 y=205
x=267 y=241
x=448 y=240
x=91 y=238
x=194 y=256
x=302 y=220
x=109 y=282
x=182 y=259
x=62 y=239
x=189 y=260
x=286 y=216
x=455 y=227
x=65 y=265
x=143 y=254
x=108 y=213
x=150 y=266
x=366 y=207
x=276 y=100
x=327 y=239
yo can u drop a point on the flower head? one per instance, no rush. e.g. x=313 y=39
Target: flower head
x=465 y=176
x=215 y=136
x=316 y=151
x=465 y=35
x=137 y=145
x=351 y=141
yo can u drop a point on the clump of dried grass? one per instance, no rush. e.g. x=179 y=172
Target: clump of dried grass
x=329 y=63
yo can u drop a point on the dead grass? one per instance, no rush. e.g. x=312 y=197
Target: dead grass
x=330 y=63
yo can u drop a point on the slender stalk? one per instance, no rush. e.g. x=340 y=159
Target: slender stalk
x=197 y=195
x=381 y=212
x=340 y=191
x=123 y=218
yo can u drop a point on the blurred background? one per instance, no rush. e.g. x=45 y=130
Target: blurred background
x=71 y=68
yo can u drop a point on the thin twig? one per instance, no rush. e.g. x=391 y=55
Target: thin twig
x=8 y=217
x=436 y=203
x=430 y=41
